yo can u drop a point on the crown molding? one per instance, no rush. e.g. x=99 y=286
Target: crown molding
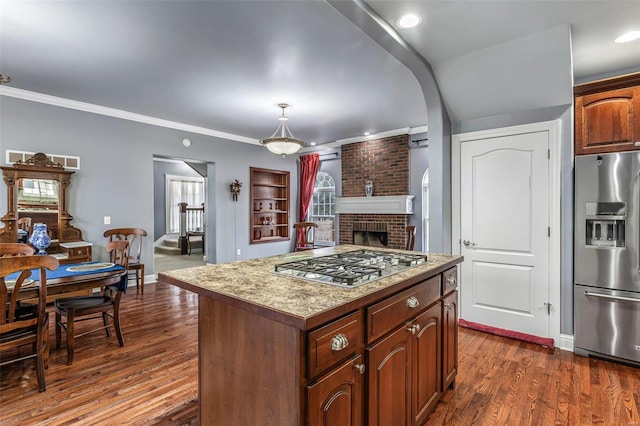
x=385 y=134
x=118 y=113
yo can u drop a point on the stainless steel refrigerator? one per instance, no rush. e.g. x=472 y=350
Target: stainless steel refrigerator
x=607 y=256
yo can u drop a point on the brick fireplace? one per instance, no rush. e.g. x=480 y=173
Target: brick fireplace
x=386 y=163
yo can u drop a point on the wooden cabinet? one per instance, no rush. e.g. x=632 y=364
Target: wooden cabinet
x=389 y=380
x=404 y=372
x=407 y=362
x=76 y=252
x=269 y=204
x=607 y=115
x=449 y=340
x=376 y=359
x=449 y=328
x=336 y=399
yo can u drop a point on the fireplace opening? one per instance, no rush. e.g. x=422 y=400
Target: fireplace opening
x=370 y=238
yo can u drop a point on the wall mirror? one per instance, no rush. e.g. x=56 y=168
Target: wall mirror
x=38 y=188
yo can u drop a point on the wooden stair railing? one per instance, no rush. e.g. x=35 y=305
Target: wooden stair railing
x=191 y=221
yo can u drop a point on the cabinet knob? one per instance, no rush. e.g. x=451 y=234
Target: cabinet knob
x=360 y=368
x=447 y=305
x=339 y=342
x=637 y=143
x=413 y=329
x=451 y=279
x=413 y=302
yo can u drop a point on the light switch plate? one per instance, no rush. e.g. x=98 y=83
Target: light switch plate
x=107 y=220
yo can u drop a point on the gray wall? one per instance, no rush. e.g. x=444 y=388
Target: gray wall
x=116 y=175
x=160 y=170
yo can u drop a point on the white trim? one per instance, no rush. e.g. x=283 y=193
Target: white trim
x=553 y=128
x=418 y=129
x=389 y=204
x=118 y=113
x=362 y=138
x=566 y=342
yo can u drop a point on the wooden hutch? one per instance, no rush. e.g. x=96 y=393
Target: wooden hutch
x=66 y=240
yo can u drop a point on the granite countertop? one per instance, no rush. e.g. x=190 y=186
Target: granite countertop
x=254 y=282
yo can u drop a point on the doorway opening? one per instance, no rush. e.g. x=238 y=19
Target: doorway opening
x=178 y=181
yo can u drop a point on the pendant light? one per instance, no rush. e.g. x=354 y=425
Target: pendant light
x=284 y=143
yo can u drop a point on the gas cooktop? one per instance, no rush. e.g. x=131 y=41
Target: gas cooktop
x=350 y=269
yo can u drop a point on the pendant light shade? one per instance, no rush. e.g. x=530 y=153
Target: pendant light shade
x=282 y=141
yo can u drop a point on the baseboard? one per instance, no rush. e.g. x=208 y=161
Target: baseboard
x=566 y=342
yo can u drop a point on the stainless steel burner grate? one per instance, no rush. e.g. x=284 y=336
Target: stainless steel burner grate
x=352 y=268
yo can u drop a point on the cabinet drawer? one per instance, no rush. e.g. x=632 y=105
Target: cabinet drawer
x=80 y=253
x=449 y=280
x=386 y=315
x=334 y=342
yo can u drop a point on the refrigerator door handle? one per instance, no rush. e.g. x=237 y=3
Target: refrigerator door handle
x=608 y=296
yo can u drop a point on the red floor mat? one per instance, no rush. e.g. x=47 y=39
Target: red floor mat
x=544 y=341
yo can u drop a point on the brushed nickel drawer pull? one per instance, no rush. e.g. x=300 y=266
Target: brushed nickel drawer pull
x=451 y=279
x=360 y=367
x=413 y=302
x=339 y=342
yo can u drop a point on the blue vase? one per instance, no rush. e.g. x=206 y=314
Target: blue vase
x=40 y=238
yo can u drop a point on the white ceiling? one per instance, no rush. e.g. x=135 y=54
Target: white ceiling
x=225 y=65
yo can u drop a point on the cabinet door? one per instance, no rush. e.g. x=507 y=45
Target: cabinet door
x=607 y=121
x=389 y=379
x=336 y=399
x=426 y=352
x=449 y=340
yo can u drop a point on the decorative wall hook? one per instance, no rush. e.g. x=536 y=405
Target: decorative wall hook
x=235 y=189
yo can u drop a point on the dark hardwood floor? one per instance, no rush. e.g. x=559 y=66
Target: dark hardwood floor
x=153 y=378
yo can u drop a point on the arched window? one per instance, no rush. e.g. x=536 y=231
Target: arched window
x=323 y=209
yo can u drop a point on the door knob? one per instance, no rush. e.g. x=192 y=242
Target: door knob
x=466 y=243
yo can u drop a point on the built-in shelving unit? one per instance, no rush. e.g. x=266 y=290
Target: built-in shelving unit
x=269 y=205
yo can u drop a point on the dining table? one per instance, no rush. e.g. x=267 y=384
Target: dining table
x=71 y=278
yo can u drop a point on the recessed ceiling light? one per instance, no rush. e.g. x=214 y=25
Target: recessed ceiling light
x=408 y=21
x=367 y=133
x=312 y=144
x=627 y=37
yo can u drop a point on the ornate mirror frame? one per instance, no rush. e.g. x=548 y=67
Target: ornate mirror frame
x=37 y=167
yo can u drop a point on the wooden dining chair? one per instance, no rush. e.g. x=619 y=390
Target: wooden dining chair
x=16 y=249
x=305 y=235
x=24 y=224
x=20 y=327
x=85 y=308
x=411 y=237
x=134 y=236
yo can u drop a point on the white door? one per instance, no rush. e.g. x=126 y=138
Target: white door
x=504 y=225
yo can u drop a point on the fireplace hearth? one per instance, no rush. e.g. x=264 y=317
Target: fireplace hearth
x=371 y=238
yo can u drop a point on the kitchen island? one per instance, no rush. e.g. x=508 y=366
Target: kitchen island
x=281 y=350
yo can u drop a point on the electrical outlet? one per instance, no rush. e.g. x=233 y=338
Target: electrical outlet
x=107 y=220
x=637 y=347
x=237 y=252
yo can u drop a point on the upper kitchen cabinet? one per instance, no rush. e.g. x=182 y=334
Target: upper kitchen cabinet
x=269 y=205
x=607 y=115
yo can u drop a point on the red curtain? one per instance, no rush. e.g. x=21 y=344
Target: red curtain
x=308 y=170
